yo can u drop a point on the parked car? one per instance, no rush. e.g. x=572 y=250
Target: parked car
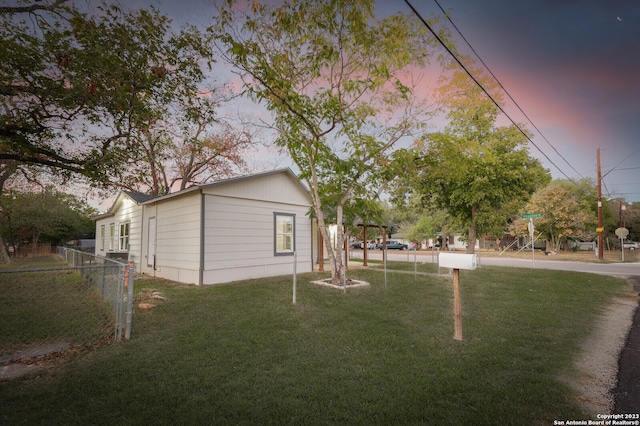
x=356 y=245
x=393 y=245
x=630 y=245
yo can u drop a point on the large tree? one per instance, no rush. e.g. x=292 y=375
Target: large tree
x=46 y=216
x=563 y=216
x=192 y=146
x=75 y=86
x=629 y=218
x=337 y=82
x=476 y=171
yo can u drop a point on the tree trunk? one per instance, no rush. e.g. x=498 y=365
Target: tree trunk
x=334 y=253
x=471 y=244
x=34 y=247
x=4 y=256
x=7 y=168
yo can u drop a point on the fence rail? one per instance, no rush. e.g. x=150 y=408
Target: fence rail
x=51 y=307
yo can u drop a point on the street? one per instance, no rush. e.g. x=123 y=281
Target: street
x=540 y=262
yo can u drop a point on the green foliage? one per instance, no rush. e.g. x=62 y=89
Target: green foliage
x=487 y=175
x=49 y=216
x=566 y=214
x=427 y=226
x=477 y=172
x=630 y=218
x=333 y=77
x=76 y=85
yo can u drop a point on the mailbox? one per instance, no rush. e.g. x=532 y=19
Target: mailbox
x=457 y=261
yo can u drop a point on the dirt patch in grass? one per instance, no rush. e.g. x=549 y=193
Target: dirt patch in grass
x=37 y=357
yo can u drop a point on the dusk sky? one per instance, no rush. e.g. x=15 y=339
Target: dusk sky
x=572 y=66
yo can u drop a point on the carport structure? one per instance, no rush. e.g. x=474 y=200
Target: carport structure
x=364 y=227
x=383 y=231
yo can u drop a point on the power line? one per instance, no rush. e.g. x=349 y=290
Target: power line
x=426 y=24
x=504 y=89
x=629 y=168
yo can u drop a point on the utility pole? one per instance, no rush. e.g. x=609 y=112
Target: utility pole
x=600 y=228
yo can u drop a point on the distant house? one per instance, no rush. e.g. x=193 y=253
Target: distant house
x=239 y=228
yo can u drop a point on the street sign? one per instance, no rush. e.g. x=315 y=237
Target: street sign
x=531 y=215
x=622 y=233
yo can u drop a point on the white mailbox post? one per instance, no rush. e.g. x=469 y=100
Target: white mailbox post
x=456 y=262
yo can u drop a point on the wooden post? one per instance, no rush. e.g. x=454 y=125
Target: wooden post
x=364 y=245
x=600 y=228
x=457 y=309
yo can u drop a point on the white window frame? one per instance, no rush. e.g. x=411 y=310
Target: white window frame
x=123 y=236
x=102 y=237
x=284 y=237
x=112 y=236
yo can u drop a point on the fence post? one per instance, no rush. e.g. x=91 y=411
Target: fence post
x=129 y=283
x=123 y=275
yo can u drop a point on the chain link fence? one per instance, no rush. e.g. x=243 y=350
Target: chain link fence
x=49 y=308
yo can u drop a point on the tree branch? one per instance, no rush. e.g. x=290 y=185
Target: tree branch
x=33 y=8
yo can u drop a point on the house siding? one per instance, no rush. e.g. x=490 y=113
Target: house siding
x=239 y=229
x=126 y=210
x=239 y=239
x=215 y=233
x=178 y=238
x=277 y=188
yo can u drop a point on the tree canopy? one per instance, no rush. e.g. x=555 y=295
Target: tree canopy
x=338 y=82
x=47 y=216
x=563 y=216
x=75 y=86
x=477 y=172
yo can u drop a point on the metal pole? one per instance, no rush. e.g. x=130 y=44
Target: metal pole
x=533 y=252
x=127 y=331
x=295 y=263
x=344 y=278
x=122 y=277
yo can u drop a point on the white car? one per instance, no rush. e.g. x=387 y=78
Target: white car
x=631 y=245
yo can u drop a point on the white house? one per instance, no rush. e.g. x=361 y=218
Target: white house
x=239 y=228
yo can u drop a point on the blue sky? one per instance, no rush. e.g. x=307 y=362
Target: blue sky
x=572 y=66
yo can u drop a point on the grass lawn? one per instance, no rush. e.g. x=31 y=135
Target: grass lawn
x=243 y=354
x=49 y=307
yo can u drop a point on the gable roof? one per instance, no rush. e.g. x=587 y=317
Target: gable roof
x=140 y=198
x=136 y=197
x=287 y=171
